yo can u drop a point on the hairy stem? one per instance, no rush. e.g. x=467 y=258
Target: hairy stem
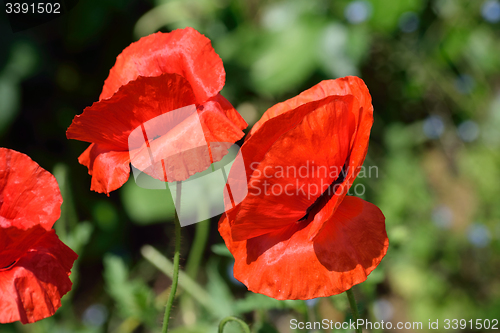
x=354 y=307
x=175 y=277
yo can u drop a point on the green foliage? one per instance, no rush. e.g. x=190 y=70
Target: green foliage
x=20 y=64
x=133 y=298
x=221 y=250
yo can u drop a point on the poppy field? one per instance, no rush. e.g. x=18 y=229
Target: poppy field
x=250 y=166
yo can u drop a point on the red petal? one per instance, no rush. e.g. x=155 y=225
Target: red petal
x=29 y=195
x=192 y=144
x=349 y=85
x=109 y=124
x=363 y=113
x=222 y=105
x=255 y=148
x=185 y=52
x=15 y=243
x=220 y=121
x=32 y=288
x=283 y=117
x=86 y=159
x=179 y=150
x=109 y=169
x=111 y=121
x=286 y=264
x=297 y=169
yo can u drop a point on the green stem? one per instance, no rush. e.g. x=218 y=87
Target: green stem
x=354 y=307
x=226 y=320
x=175 y=277
x=198 y=247
x=193 y=262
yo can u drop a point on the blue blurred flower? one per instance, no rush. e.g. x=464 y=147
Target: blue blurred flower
x=95 y=315
x=383 y=309
x=479 y=235
x=468 y=131
x=491 y=11
x=312 y=302
x=358 y=11
x=433 y=127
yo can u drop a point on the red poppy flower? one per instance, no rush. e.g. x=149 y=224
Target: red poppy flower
x=34 y=263
x=158 y=74
x=296 y=235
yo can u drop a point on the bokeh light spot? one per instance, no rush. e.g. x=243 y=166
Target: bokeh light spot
x=468 y=131
x=433 y=127
x=491 y=11
x=358 y=11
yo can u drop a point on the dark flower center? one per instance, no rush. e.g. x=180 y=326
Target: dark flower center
x=8 y=266
x=323 y=199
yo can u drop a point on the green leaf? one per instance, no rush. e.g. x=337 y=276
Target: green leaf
x=9 y=101
x=105 y=215
x=288 y=58
x=221 y=250
x=80 y=236
x=134 y=299
x=219 y=292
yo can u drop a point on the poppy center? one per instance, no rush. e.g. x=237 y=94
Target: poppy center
x=323 y=199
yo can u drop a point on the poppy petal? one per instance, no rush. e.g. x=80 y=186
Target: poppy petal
x=109 y=169
x=86 y=159
x=358 y=146
x=185 y=52
x=29 y=194
x=182 y=147
x=111 y=121
x=362 y=111
x=32 y=288
x=174 y=155
x=14 y=243
x=220 y=120
x=349 y=85
x=346 y=250
x=294 y=172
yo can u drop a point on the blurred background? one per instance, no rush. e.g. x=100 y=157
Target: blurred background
x=433 y=69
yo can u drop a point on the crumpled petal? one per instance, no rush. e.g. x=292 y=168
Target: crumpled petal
x=287 y=264
x=283 y=117
x=184 y=51
x=158 y=74
x=294 y=172
x=192 y=145
x=349 y=85
x=109 y=168
x=220 y=120
x=111 y=121
x=304 y=238
x=31 y=287
x=29 y=195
